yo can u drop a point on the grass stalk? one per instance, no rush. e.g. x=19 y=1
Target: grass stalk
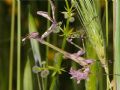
x=48 y=38
x=56 y=15
x=91 y=22
x=12 y=45
x=92 y=83
x=107 y=28
x=116 y=43
x=47 y=48
x=106 y=11
x=18 y=45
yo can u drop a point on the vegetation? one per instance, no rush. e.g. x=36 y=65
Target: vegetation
x=59 y=45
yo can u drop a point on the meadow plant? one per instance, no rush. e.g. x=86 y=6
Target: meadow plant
x=91 y=22
x=70 y=45
x=92 y=28
x=68 y=33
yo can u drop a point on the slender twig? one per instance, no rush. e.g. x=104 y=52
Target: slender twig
x=47 y=48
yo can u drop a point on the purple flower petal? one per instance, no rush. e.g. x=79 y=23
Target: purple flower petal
x=79 y=74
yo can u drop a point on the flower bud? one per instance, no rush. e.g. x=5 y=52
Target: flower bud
x=44 y=73
x=72 y=19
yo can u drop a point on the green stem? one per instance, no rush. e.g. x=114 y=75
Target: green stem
x=48 y=39
x=12 y=46
x=66 y=54
x=106 y=69
x=47 y=51
x=18 y=45
x=55 y=48
x=67 y=5
x=52 y=86
x=56 y=15
x=59 y=64
x=116 y=43
x=60 y=50
x=106 y=9
x=38 y=79
x=63 y=43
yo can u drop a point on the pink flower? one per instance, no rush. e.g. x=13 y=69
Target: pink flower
x=80 y=74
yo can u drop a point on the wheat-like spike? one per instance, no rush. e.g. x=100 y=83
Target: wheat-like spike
x=91 y=22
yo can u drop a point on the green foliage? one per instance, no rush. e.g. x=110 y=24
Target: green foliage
x=92 y=82
x=35 y=46
x=117 y=43
x=27 y=78
x=49 y=68
x=91 y=22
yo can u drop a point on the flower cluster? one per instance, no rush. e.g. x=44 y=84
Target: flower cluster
x=80 y=74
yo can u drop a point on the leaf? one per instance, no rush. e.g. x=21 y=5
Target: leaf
x=34 y=44
x=27 y=78
x=117 y=43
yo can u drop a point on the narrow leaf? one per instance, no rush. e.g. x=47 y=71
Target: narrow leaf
x=27 y=79
x=117 y=43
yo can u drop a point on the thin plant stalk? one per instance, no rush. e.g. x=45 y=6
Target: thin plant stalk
x=60 y=57
x=48 y=38
x=79 y=60
x=47 y=48
x=12 y=45
x=60 y=60
x=63 y=45
x=116 y=43
x=56 y=15
x=106 y=11
x=18 y=45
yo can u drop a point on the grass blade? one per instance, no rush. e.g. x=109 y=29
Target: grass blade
x=12 y=46
x=27 y=79
x=92 y=84
x=106 y=11
x=35 y=46
x=18 y=45
x=116 y=43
